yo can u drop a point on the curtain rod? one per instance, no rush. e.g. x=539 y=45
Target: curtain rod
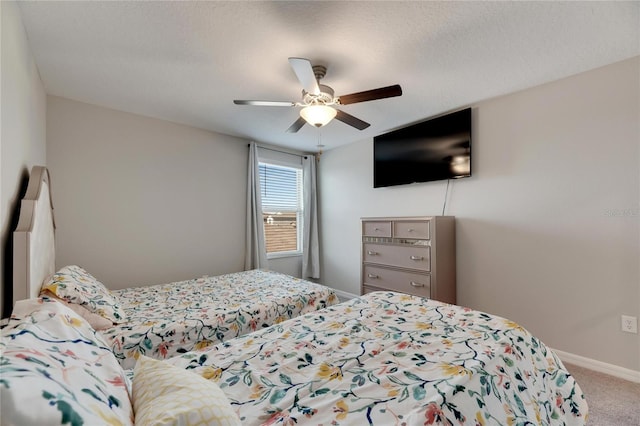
x=277 y=150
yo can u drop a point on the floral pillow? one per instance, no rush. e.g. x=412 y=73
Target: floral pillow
x=96 y=321
x=75 y=285
x=55 y=369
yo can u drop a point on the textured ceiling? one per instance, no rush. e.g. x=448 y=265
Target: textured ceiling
x=187 y=61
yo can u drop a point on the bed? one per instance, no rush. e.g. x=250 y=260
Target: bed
x=382 y=359
x=390 y=358
x=158 y=321
x=169 y=319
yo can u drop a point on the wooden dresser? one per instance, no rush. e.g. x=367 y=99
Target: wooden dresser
x=414 y=255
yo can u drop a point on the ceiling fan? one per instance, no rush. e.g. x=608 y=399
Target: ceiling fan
x=318 y=100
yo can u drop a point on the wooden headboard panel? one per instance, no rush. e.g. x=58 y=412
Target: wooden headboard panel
x=33 y=240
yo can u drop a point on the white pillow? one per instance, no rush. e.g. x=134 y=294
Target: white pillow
x=167 y=395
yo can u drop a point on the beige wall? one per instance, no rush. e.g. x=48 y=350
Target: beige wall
x=143 y=201
x=548 y=226
x=23 y=131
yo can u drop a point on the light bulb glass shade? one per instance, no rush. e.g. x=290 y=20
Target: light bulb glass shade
x=318 y=115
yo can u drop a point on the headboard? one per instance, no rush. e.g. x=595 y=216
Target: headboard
x=33 y=240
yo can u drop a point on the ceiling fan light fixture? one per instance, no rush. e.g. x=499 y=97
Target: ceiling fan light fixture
x=318 y=99
x=318 y=115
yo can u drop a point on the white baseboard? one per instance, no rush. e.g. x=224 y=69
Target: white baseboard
x=599 y=366
x=343 y=295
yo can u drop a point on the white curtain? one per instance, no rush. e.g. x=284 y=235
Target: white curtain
x=310 y=243
x=256 y=252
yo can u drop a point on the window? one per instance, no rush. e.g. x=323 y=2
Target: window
x=281 y=191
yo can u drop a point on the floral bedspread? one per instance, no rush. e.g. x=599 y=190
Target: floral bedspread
x=169 y=319
x=392 y=359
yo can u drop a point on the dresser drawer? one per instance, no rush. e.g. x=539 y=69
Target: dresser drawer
x=376 y=229
x=411 y=229
x=376 y=278
x=413 y=257
x=368 y=289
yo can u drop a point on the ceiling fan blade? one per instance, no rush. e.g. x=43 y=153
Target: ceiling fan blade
x=371 y=95
x=265 y=103
x=351 y=120
x=297 y=125
x=304 y=71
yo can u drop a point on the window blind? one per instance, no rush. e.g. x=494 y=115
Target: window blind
x=281 y=188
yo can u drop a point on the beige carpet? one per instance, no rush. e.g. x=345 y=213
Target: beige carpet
x=612 y=401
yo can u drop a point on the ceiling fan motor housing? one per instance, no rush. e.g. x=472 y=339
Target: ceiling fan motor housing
x=326 y=96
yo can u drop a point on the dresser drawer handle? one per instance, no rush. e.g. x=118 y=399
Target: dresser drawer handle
x=415 y=284
x=416 y=257
x=372 y=253
x=372 y=276
x=377 y=229
x=410 y=230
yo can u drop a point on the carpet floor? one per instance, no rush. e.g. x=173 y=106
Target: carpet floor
x=612 y=401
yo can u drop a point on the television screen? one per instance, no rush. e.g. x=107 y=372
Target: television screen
x=435 y=149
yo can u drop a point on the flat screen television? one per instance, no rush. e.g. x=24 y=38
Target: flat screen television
x=434 y=149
